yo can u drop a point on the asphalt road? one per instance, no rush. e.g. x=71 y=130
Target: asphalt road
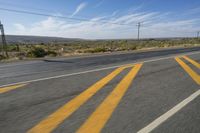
x=155 y=91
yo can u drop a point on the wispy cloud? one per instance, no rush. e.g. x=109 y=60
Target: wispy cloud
x=159 y=25
x=136 y=8
x=79 y=8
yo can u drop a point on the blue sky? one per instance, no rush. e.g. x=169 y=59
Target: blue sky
x=161 y=18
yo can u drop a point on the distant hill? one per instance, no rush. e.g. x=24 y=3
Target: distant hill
x=13 y=39
x=37 y=39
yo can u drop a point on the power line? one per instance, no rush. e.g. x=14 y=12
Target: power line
x=22 y=6
x=25 y=7
x=62 y=17
x=198 y=33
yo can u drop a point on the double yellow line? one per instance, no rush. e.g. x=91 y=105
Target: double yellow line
x=195 y=76
x=101 y=115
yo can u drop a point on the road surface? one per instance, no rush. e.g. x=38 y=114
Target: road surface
x=154 y=91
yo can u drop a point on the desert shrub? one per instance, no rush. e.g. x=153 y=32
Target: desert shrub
x=133 y=48
x=21 y=55
x=52 y=53
x=37 y=52
x=13 y=48
x=2 y=57
x=96 y=50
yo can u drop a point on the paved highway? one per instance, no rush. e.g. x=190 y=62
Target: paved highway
x=154 y=91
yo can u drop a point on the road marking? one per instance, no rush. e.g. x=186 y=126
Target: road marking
x=101 y=115
x=95 y=70
x=66 y=75
x=51 y=122
x=169 y=114
x=192 y=73
x=192 y=61
x=10 y=88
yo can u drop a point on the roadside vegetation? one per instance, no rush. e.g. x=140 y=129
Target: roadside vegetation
x=22 y=51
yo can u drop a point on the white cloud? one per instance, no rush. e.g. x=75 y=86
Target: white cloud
x=79 y=8
x=178 y=28
x=158 y=26
x=20 y=28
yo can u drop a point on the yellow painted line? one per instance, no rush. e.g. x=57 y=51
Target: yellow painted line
x=10 y=88
x=192 y=61
x=101 y=115
x=192 y=73
x=51 y=122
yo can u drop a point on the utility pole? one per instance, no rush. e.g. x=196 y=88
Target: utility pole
x=198 y=33
x=4 y=44
x=139 y=25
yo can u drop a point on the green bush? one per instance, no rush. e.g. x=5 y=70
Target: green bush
x=37 y=52
x=12 y=48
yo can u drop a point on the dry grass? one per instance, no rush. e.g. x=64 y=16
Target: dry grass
x=23 y=51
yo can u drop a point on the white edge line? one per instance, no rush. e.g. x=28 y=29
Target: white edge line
x=95 y=70
x=169 y=114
